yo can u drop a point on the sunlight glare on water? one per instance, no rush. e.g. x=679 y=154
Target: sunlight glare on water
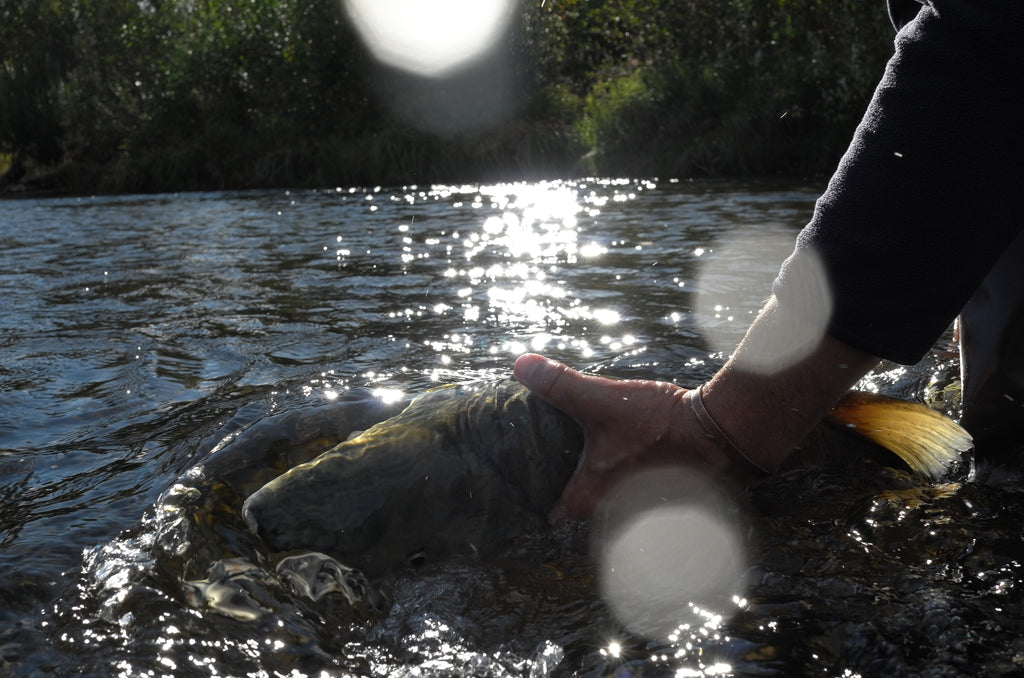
x=130 y=404
x=507 y=268
x=134 y=378
x=389 y=395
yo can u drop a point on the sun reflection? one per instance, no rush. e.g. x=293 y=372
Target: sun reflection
x=511 y=259
x=540 y=341
x=389 y=395
x=606 y=316
x=592 y=250
x=718 y=669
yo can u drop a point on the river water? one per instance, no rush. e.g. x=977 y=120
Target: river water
x=140 y=332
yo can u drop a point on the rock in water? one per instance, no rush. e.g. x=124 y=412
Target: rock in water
x=463 y=468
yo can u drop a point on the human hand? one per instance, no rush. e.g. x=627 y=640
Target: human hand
x=627 y=425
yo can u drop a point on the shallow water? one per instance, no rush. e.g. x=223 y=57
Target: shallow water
x=141 y=332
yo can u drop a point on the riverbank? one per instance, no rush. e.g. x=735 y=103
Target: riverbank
x=172 y=97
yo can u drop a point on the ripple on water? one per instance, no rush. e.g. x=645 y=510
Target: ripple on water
x=140 y=331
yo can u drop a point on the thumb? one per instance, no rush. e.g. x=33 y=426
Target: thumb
x=560 y=385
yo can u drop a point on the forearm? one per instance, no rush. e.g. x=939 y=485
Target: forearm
x=767 y=406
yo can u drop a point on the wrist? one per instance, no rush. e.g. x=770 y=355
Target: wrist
x=707 y=447
x=723 y=441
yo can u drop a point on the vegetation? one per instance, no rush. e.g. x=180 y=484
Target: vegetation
x=143 y=95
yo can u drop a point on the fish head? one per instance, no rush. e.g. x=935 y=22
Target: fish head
x=377 y=508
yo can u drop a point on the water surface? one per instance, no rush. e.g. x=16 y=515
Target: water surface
x=140 y=331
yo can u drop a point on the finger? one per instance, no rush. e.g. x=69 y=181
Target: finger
x=538 y=373
x=549 y=379
x=570 y=391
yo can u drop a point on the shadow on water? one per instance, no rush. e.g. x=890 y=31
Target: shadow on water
x=147 y=335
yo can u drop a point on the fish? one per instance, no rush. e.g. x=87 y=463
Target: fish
x=200 y=514
x=461 y=468
x=196 y=526
x=466 y=468
x=246 y=459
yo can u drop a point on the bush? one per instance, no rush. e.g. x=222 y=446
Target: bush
x=142 y=95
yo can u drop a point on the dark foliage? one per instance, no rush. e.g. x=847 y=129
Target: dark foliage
x=144 y=95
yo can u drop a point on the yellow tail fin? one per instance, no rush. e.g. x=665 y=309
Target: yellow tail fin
x=928 y=441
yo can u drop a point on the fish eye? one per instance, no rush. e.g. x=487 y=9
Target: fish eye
x=416 y=558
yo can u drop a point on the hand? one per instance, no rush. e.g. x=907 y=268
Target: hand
x=626 y=425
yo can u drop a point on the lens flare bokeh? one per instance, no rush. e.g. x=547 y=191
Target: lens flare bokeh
x=669 y=547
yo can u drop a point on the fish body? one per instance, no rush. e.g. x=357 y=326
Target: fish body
x=201 y=513
x=244 y=462
x=463 y=468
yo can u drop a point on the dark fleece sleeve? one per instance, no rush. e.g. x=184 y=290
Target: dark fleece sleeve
x=928 y=195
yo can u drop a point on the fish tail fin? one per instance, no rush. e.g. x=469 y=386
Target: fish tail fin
x=929 y=442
